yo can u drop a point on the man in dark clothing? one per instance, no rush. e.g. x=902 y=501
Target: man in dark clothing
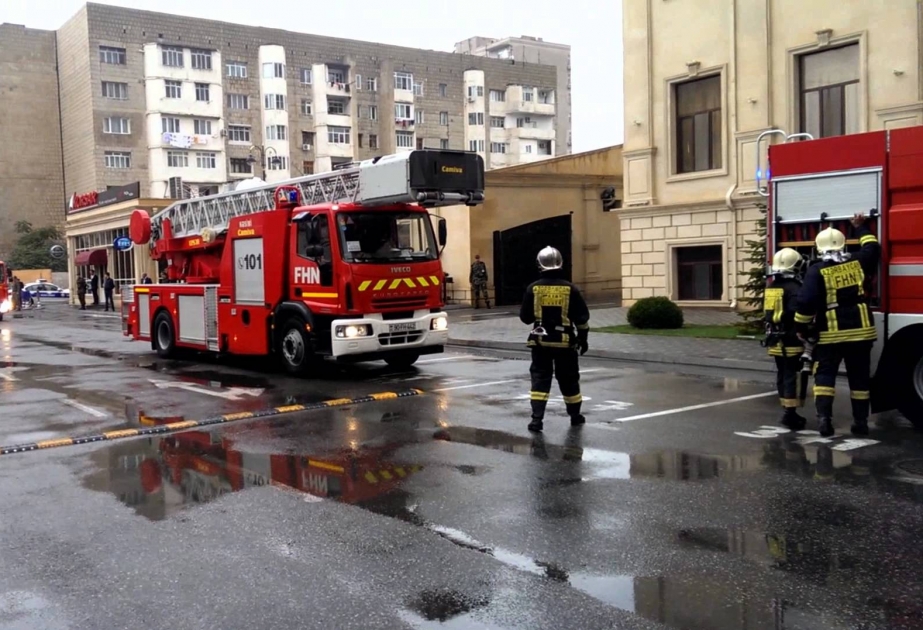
x=560 y=320
x=82 y=292
x=781 y=340
x=834 y=303
x=109 y=289
x=94 y=288
x=478 y=279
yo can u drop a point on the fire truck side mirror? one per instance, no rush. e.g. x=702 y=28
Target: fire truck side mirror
x=443 y=230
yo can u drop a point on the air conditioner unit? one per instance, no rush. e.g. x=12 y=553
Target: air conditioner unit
x=307 y=147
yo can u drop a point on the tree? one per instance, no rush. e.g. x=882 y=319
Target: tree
x=33 y=248
x=755 y=285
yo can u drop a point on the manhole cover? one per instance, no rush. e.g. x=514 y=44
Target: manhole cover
x=912 y=466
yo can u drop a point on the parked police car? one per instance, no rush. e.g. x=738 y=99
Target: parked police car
x=46 y=290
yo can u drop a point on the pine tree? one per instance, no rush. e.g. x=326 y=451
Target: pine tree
x=755 y=285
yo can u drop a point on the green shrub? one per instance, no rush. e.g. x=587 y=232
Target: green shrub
x=655 y=312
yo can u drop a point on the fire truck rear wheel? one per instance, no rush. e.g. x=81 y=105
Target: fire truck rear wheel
x=295 y=347
x=164 y=336
x=403 y=360
x=911 y=404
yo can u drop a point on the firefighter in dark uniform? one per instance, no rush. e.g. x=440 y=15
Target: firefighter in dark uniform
x=834 y=301
x=781 y=339
x=560 y=320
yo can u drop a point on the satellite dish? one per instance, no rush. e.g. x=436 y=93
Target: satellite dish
x=57 y=252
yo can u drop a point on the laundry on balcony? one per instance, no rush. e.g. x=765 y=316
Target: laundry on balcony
x=178 y=140
x=200 y=139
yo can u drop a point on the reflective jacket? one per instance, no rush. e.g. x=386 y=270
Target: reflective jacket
x=557 y=306
x=835 y=295
x=779 y=302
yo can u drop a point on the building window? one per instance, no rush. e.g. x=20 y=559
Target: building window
x=528 y=148
x=206 y=160
x=418 y=89
x=307 y=76
x=202 y=92
x=118 y=159
x=403 y=111
x=528 y=94
x=359 y=140
x=497 y=122
x=443 y=90
x=498 y=96
x=174 y=89
x=273 y=71
x=307 y=107
x=116 y=126
x=177 y=159
x=275 y=132
x=546 y=97
x=111 y=55
x=403 y=81
x=238 y=101
x=699 y=272
x=373 y=112
x=115 y=91
x=404 y=140
x=338 y=135
x=239 y=134
x=237 y=69
x=172 y=57
x=201 y=59
x=307 y=167
x=277 y=163
x=274 y=101
x=241 y=166
x=371 y=84
x=419 y=144
x=698 y=125
x=373 y=141
x=544 y=147
x=419 y=117
x=829 y=99
x=307 y=137
x=475 y=90
x=202 y=127
x=358 y=81
x=170 y=125
x=476 y=118
x=443 y=143
x=476 y=145
x=444 y=118
x=498 y=147
x=336 y=107
x=336 y=75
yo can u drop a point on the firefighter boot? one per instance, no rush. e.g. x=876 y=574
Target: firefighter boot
x=536 y=425
x=824 y=415
x=792 y=420
x=860 y=414
x=576 y=418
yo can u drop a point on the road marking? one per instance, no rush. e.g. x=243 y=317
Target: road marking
x=231 y=393
x=6 y=376
x=694 y=407
x=70 y=402
x=453 y=358
x=488 y=384
x=807 y=437
x=764 y=432
x=612 y=405
x=593 y=370
x=101 y=316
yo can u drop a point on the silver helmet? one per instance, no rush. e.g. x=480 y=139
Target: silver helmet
x=549 y=258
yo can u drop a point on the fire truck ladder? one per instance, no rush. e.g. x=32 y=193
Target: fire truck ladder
x=191 y=216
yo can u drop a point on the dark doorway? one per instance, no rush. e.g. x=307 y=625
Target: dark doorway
x=700 y=272
x=515 y=250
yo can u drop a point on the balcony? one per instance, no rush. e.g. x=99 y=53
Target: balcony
x=188 y=107
x=334 y=120
x=532 y=131
x=404 y=124
x=403 y=96
x=530 y=107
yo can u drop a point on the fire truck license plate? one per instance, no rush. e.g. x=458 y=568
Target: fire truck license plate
x=407 y=327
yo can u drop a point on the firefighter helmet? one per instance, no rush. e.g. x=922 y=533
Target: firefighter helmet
x=549 y=258
x=787 y=260
x=830 y=240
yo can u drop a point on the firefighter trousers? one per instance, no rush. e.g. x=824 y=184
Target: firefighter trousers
x=560 y=363
x=788 y=380
x=857 y=356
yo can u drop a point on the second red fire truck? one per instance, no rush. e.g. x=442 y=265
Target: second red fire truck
x=343 y=264
x=819 y=183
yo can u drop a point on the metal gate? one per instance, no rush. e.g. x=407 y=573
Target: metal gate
x=515 y=250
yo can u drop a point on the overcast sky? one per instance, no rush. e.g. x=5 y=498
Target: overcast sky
x=593 y=29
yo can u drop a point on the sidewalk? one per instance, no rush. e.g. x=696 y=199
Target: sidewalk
x=508 y=333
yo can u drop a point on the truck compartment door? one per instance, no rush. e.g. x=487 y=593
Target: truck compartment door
x=144 y=314
x=840 y=195
x=191 y=318
x=249 y=286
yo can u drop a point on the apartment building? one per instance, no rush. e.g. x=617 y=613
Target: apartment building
x=528 y=50
x=185 y=105
x=706 y=78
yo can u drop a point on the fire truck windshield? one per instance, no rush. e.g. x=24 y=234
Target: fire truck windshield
x=383 y=236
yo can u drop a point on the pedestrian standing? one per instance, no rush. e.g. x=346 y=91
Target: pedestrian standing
x=109 y=289
x=94 y=288
x=560 y=319
x=779 y=303
x=834 y=302
x=82 y=292
x=478 y=280
x=16 y=288
x=146 y=279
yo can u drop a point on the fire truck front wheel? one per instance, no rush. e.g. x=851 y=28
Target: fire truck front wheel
x=295 y=347
x=164 y=336
x=911 y=401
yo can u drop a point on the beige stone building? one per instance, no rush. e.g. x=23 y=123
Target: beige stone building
x=703 y=79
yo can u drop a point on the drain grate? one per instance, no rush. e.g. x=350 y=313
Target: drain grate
x=911 y=466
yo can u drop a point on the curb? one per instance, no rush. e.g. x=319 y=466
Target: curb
x=637 y=357
x=173 y=427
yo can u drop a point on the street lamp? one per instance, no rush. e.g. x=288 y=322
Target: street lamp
x=265 y=153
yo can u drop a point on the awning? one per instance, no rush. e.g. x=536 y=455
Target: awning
x=92 y=258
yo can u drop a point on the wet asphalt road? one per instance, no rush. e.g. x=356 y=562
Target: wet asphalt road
x=674 y=507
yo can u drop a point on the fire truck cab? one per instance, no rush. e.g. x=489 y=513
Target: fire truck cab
x=343 y=264
x=815 y=184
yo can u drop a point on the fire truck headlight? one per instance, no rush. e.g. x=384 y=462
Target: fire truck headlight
x=6 y=306
x=440 y=323
x=352 y=332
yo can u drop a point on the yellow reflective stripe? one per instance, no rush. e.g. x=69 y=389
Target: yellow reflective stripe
x=365 y=285
x=539 y=395
x=832 y=324
x=853 y=334
x=290 y=408
x=422 y=281
x=583 y=326
x=773 y=302
x=325 y=466
x=409 y=283
x=336 y=402
x=395 y=283
x=380 y=285
x=384 y=474
x=383 y=396
x=237 y=416
x=859 y=395
x=319 y=295
x=54 y=443
x=803 y=319
x=868 y=238
x=821 y=390
x=434 y=280
x=785 y=351
x=570 y=400
x=789 y=402
x=864 y=315
x=370 y=477
x=113 y=435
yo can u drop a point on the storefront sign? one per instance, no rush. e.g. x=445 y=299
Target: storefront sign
x=86 y=201
x=122 y=244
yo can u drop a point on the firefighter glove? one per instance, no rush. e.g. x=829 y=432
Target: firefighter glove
x=582 y=342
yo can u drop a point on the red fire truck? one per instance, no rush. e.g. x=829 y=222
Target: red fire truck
x=342 y=264
x=6 y=302
x=815 y=184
